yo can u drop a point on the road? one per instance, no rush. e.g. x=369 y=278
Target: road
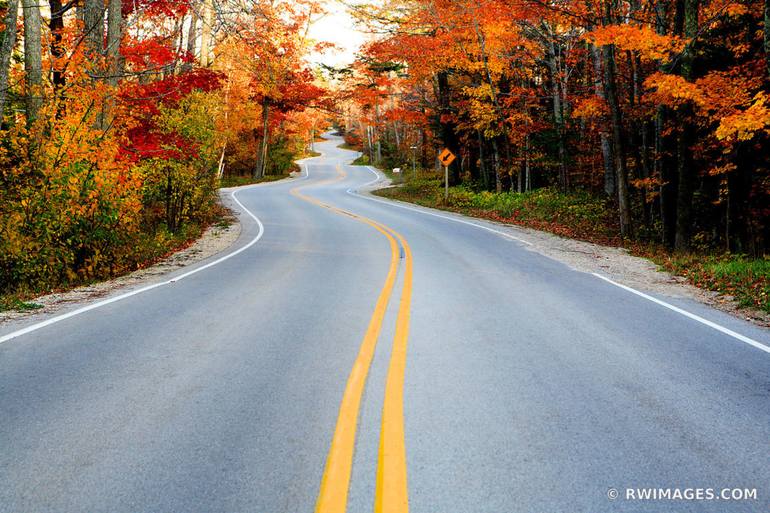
x=346 y=342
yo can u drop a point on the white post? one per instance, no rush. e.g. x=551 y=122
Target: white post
x=446 y=184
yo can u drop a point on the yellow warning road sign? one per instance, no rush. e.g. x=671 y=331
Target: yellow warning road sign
x=446 y=157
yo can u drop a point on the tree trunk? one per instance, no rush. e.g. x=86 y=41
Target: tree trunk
x=665 y=148
x=93 y=24
x=6 y=51
x=527 y=179
x=259 y=170
x=617 y=141
x=33 y=65
x=496 y=161
x=767 y=36
x=665 y=167
x=558 y=115
x=610 y=182
x=191 y=36
x=57 y=52
x=482 y=161
x=446 y=128
x=114 y=36
x=114 y=62
x=685 y=140
x=206 y=23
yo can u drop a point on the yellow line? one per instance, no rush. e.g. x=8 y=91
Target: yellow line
x=391 y=494
x=335 y=483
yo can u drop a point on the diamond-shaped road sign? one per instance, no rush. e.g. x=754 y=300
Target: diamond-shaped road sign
x=446 y=157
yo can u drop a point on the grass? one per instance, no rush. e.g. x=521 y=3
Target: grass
x=745 y=279
x=580 y=215
x=13 y=303
x=238 y=180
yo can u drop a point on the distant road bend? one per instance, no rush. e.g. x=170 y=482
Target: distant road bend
x=353 y=354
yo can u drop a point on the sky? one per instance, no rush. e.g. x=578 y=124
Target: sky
x=336 y=27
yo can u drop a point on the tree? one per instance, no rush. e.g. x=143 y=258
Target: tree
x=6 y=51
x=33 y=63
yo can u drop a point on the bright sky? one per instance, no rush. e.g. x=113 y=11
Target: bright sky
x=336 y=27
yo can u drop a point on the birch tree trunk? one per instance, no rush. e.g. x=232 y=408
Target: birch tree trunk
x=191 y=37
x=206 y=22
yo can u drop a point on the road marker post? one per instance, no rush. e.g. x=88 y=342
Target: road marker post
x=446 y=184
x=446 y=157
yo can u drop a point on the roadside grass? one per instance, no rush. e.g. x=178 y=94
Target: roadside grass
x=580 y=215
x=396 y=179
x=352 y=147
x=240 y=180
x=745 y=279
x=12 y=303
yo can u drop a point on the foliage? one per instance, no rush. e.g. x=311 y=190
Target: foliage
x=115 y=151
x=661 y=106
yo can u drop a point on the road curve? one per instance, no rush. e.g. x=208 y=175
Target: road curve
x=519 y=384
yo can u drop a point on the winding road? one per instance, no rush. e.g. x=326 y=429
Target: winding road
x=353 y=354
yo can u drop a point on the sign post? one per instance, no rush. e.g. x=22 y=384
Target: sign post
x=414 y=161
x=446 y=157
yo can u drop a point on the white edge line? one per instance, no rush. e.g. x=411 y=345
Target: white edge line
x=98 y=304
x=692 y=316
x=427 y=212
x=710 y=324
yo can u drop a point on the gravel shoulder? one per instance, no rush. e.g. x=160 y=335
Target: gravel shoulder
x=614 y=263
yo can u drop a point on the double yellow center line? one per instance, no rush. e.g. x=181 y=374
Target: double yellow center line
x=391 y=494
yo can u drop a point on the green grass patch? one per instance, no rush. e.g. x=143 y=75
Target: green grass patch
x=746 y=279
x=14 y=304
x=238 y=180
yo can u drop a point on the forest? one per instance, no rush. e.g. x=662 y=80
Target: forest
x=121 y=120
x=641 y=123
x=638 y=123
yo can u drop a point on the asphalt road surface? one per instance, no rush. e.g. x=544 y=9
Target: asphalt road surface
x=349 y=350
